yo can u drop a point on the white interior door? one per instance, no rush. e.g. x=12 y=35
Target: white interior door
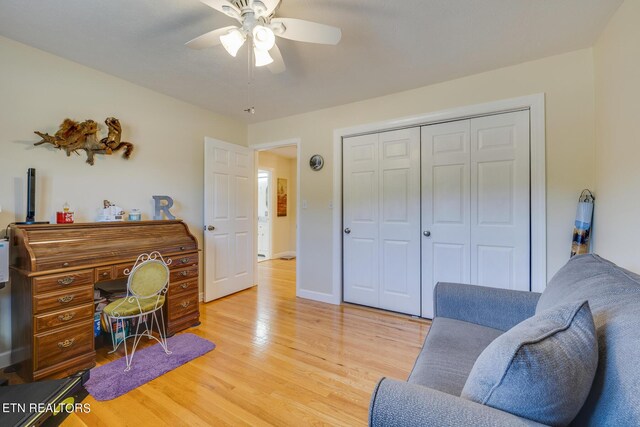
x=446 y=240
x=500 y=198
x=381 y=219
x=229 y=214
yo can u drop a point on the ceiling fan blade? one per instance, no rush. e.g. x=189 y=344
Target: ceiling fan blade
x=277 y=66
x=306 y=31
x=212 y=38
x=220 y=5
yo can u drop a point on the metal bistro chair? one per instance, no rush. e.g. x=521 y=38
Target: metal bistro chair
x=146 y=288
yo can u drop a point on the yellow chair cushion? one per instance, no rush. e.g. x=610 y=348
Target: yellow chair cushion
x=149 y=278
x=123 y=307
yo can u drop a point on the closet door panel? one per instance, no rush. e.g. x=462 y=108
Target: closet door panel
x=400 y=221
x=445 y=199
x=500 y=198
x=361 y=209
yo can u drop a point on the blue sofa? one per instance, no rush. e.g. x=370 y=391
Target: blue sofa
x=468 y=318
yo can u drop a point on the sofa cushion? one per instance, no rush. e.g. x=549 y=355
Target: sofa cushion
x=449 y=352
x=614 y=298
x=541 y=369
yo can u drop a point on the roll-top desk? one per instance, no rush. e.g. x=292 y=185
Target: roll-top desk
x=53 y=272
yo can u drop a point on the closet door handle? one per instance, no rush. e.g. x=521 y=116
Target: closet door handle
x=347 y=231
x=426 y=233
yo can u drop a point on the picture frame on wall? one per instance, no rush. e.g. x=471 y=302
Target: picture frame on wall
x=282 y=197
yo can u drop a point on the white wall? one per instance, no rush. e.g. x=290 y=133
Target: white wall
x=293 y=204
x=567 y=81
x=617 y=88
x=283 y=227
x=39 y=90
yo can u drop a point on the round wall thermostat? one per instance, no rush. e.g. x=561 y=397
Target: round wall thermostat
x=316 y=162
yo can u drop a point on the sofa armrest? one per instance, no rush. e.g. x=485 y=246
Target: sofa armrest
x=492 y=307
x=396 y=403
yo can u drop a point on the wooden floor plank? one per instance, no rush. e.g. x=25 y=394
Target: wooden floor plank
x=280 y=360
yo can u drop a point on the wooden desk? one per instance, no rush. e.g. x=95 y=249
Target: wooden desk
x=54 y=268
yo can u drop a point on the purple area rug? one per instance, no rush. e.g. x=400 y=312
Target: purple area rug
x=110 y=381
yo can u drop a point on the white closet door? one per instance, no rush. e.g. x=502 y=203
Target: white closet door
x=400 y=221
x=446 y=240
x=360 y=220
x=381 y=219
x=500 y=198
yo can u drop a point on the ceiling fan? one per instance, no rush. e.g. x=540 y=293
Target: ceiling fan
x=259 y=24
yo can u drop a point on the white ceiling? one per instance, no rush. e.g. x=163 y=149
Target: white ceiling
x=387 y=46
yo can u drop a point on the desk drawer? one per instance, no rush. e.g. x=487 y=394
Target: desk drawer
x=190 y=272
x=45 y=322
x=183 y=288
x=118 y=270
x=60 y=345
x=60 y=300
x=182 y=305
x=183 y=260
x=58 y=282
x=104 y=274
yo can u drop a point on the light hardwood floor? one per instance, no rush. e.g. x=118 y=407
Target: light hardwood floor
x=279 y=360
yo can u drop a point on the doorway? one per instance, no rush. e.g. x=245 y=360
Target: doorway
x=264 y=214
x=277 y=211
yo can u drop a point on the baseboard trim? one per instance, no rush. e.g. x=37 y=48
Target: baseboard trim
x=318 y=296
x=283 y=254
x=5 y=359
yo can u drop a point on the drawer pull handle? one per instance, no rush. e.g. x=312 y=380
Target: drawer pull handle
x=105 y=274
x=184 y=285
x=185 y=304
x=66 y=281
x=184 y=273
x=66 y=317
x=66 y=343
x=66 y=264
x=65 y=299
x=182 y=248
x=184 y=260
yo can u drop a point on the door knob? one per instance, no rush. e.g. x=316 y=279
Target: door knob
x=347 y=231
x=211 y=228
x=427 y=233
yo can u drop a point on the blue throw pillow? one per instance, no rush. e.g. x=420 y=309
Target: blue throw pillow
x=541 y=369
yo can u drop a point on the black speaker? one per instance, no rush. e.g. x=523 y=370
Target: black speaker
x=31 y=196
x=31 y=199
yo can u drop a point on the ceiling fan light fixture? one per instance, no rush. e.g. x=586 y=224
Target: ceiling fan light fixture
x=262 y=57
x=263 y=37
x=233 y=41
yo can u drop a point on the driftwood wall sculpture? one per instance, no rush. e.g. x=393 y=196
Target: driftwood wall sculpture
x=73 y=136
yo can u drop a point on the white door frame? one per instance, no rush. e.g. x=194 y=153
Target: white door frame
x=271 y=187
x=536 y=106
x=267 y=146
